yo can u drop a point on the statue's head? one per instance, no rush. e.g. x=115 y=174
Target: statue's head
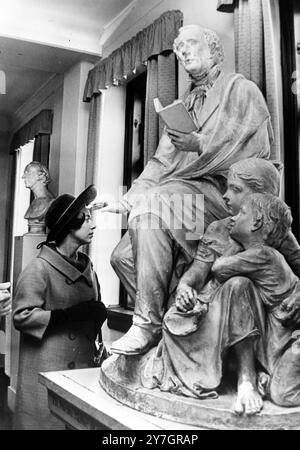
x=198 y=49
x=264 y=217
x=249 y=176
x=35 y=172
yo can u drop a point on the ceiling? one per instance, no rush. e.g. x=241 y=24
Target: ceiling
x=46 y=38
x=27 y=66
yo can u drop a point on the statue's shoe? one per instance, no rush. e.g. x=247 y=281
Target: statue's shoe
x=135 y=342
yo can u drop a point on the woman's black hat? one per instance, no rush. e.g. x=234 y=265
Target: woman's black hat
x=64 y=209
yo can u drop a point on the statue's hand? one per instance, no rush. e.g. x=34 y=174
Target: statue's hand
x=118 y=207
x=200 y=308
x=186 y=298
x=184 y=142
x=289 y=311
x=5 y=299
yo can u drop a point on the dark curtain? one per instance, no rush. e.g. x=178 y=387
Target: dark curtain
x=92 y=144
x=161 y=83
x=123 y=62
x=41 y=124
x=256 y=53
x=41 y=149
x=225 y=5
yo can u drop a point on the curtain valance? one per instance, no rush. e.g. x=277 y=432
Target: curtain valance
x=226 y=5
x=39 y=124
x=153 y=40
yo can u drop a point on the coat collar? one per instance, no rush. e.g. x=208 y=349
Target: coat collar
x=212 y=101
x=63 y=266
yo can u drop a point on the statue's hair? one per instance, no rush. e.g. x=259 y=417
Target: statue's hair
x=41 y=169
x=260 y=175
x=274 y=213
x=211 y=38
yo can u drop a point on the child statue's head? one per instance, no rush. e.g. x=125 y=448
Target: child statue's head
x=251 y=175
x=262 y=218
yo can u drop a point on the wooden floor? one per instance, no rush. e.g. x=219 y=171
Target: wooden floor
x=5 y=414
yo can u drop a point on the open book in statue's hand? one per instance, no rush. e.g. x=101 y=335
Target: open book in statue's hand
x=175 y=116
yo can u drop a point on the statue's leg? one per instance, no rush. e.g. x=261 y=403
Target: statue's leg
x=248 y=399
x=123 y=264
x=285 y=381
x=245 y=306
x=154 y=253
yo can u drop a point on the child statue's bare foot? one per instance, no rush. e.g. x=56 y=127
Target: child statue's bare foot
x=248 y=401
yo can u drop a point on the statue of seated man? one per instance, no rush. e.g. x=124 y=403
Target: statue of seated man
x=189 y=359
x=36 y=178
x=181 y=188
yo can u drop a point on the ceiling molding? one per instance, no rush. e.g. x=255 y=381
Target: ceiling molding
x=33 y=104
x=112 y=26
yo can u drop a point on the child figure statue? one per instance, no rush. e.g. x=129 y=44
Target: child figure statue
x=264 y=220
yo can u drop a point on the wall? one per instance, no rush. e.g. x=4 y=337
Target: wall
x=109 y=182
x=49 y=96
x=5 y=126
x=63 y=94
x=74 y=132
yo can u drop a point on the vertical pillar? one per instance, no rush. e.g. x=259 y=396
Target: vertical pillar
x=75 y=116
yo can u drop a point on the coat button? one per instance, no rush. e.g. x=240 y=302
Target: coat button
x=71 y=365
x=72 y=336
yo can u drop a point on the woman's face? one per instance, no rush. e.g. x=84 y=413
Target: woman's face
x=85 y=233
x=193 y=52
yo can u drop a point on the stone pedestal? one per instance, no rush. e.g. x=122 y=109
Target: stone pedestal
x=24 y=251
x=120 y=378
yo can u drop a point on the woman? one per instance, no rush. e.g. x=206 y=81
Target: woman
x=57 y=308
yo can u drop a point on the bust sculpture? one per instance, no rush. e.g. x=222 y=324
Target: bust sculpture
x=36 y=178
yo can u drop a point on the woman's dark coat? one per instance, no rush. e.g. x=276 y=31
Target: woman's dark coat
x=50 y=282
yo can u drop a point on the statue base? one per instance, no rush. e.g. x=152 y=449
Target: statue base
x=119 y=377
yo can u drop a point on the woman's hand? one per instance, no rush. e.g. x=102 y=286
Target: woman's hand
x=186 y=298
x=184 y=142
